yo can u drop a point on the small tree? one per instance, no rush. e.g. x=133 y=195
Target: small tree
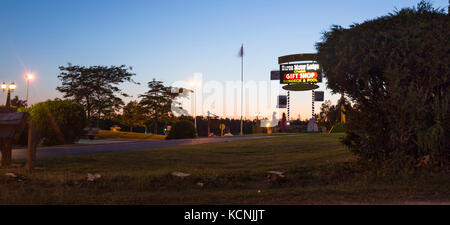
x=133 y=115
x=157 y=102
x=182 y=129
x=18 y=103
x=58 y=121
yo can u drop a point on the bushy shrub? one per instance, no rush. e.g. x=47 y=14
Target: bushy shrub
x=182 y=129
x=58 y=121
x=395 y=69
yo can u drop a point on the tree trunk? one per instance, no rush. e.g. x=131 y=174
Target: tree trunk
x=131 y=128
x=88 y=109
x=98 y=118
x=156 y=127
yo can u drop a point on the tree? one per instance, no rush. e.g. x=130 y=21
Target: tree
x=133 y=115
x=16 y=102
x=182 y=129
x=330 y=114
x=95 y=87
x=58 y=121
x=396 y=70
x=157 y=102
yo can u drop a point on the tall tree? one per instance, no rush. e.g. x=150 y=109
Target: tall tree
x=133 y=115
x=157 y=102
x=396 y=70
x=95 y=87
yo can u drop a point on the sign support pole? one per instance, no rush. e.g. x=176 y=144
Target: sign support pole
x=288 y=105
x=313 y=96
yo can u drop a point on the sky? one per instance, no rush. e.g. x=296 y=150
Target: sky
x=175 y=42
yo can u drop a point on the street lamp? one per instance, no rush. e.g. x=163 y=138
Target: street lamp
x=193 y=84
x=28 y=77
x=10 y=88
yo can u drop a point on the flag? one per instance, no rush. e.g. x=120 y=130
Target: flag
x=241 y=52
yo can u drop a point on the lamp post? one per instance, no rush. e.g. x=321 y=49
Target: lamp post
x=28 y=77
x=10 y=88
x=193 y=85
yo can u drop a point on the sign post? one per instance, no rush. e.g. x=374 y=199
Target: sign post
x=11 y=127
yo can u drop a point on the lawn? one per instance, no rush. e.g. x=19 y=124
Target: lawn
x=318 y=168
x=106 y=134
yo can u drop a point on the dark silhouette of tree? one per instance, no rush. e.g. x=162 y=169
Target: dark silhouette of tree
x=16 y=102
x=396 y=70
x=133 y=115
x=157 y=102
x=95 y=87
x=331 y=114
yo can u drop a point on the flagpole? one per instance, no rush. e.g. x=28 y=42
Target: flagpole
x=242 y=83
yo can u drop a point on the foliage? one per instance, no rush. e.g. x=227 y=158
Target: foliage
x=58 y=121
x=396 y=70
x=339 y=128
x=330 y=115
x=157 y=102
x=106 y=134
x=182 y=129
x=18 y=103
x=133 y=115
x=94 y=87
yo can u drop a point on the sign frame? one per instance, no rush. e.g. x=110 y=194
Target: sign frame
x=300 y=73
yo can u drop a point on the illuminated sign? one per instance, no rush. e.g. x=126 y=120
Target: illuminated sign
x=300 y=73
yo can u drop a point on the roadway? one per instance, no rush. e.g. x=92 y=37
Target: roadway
x=121 y=145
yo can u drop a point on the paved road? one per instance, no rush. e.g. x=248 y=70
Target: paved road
x=44 y=152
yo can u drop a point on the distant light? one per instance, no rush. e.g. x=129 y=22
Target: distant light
x=12 y=86
x=29 y=76
x=288 y=123
x=4 y=86
x=194 y=83
x=267 y=124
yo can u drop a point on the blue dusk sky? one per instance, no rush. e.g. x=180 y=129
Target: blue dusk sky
x=170 y=40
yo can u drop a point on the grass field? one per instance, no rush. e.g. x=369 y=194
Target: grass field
x=318 y=168
x=106 y=134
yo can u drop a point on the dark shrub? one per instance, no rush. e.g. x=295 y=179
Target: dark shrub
x=182 y=129
x=58 y=121
x=395 y=69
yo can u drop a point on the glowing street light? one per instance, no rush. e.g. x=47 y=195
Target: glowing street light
x=28 y=77
x=193 y=84
x=10 y=88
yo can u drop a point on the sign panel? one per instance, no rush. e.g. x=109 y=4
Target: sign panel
x=275 y=75
x=300 y=87
x=318 y=96
x=300 y=73
x=282 y=101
